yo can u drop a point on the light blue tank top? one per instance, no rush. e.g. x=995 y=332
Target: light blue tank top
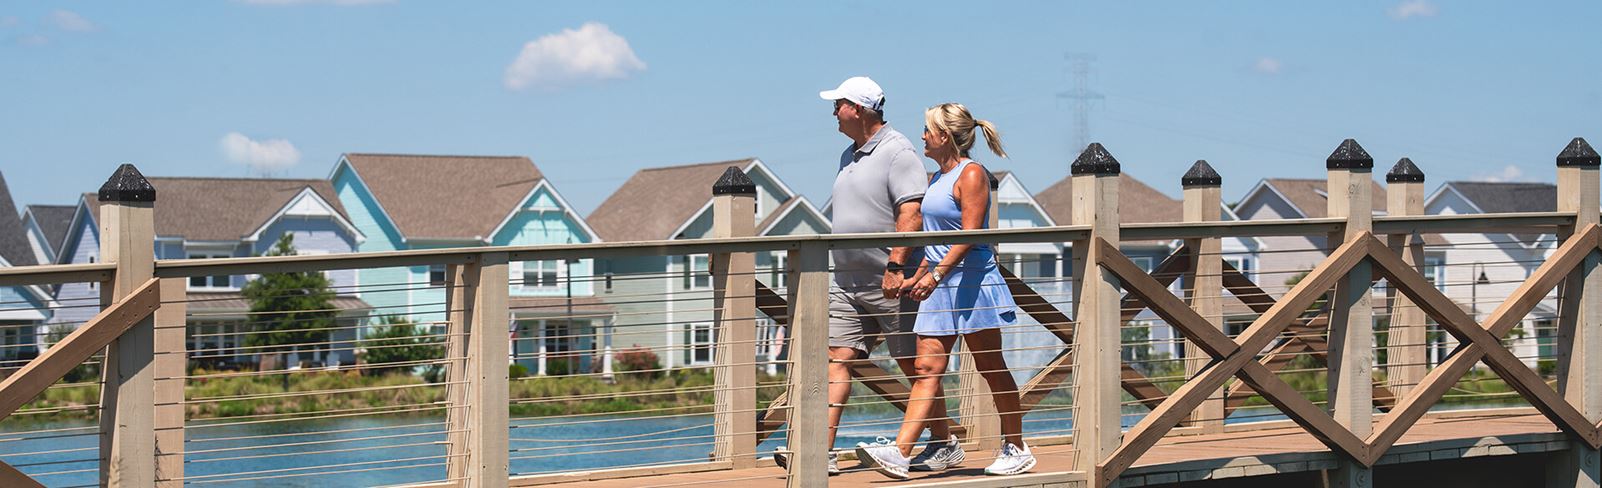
x=941 y=211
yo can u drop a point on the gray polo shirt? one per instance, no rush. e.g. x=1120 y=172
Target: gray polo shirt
x=873 y=180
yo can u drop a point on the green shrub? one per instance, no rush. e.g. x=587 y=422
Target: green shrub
x=642 y=361
x=516 y=371
x=558 y=367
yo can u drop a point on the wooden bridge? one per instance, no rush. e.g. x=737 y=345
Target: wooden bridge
x=1369 y=415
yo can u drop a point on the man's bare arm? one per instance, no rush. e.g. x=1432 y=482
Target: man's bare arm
x=909 y=218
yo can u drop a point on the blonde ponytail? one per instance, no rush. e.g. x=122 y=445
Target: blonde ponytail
x=953 y=120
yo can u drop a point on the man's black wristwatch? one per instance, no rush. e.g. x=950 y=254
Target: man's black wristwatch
x=894 y=267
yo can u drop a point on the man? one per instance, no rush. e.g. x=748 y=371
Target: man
x=879 y=188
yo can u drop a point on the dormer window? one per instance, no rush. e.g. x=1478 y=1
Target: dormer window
x=218 y=282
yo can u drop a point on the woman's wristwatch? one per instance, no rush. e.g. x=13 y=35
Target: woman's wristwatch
x=935 y=272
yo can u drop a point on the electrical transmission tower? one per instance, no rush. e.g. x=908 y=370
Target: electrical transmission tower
x=1081 y=96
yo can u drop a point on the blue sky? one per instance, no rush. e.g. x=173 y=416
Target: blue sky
x=1468 y=90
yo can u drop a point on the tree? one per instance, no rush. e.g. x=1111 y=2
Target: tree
x=398 y=340
x=289 y=308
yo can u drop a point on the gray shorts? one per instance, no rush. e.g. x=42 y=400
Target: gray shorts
x=862 y=318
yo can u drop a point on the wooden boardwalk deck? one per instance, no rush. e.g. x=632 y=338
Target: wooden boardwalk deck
x=1181 y=458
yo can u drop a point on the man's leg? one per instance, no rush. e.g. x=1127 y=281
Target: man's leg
x=848 y=340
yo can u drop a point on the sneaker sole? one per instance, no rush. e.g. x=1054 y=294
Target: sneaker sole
x=1015 y=471
x=871 y=462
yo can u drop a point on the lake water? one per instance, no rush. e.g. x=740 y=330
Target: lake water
x=367 y=451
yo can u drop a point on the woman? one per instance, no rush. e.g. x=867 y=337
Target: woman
x=963 y=295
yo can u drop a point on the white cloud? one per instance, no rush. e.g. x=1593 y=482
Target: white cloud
x=590 y=53
x=1414 y=8
x=1267 y=66
x=265 y=156
x=1508 y=173
x=70 y=21
x=342 y=3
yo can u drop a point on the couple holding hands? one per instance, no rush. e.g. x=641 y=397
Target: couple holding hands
x=919 y=300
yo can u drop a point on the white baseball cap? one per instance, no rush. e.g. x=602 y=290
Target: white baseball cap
x=859 y=90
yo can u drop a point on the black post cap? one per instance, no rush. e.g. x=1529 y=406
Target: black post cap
x=127 y=185
x=734 y=182
x=1094 y=161
x=1349 y=155
x=1201 y=174
x=1578 y=153
x=1404 y=172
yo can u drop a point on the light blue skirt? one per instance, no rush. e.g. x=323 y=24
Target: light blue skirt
x=972 y=298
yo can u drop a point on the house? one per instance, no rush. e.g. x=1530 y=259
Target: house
x=47 y=226
x=1140 y=203
x=1480 y=270
x=199 y=218
x=26 y=308
x=405 y=201
x=664 y=303
x=1284 y=258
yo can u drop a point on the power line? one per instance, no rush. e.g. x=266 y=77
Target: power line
x=1081 y=95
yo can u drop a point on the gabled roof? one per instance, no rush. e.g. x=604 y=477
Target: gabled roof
x=1508 y=197
x=224 y=209
x=1154 y=206
x=53 y=222
x=656 y=202
x=14 y=248
x=445 y=197
x=1310 y=197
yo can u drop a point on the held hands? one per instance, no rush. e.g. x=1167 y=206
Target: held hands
x=924 y=287
x=893 y=285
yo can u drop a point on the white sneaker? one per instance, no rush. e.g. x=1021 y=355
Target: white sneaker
x=939 y=456
x=781 y=457
x=884 y=457
x=1011 y=460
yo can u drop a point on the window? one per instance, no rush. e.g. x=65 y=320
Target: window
x=697 y=272
x=559 y=347
x=1144 y=262
x=209 y=281
x=778 y=276
x=1435 y=270
x=92 y=284
x=436 y=275
x=1243 y=264
x=542 y=274
x=701 y=343
x=1545 y=339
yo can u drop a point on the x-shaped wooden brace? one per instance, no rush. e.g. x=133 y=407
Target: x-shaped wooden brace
x=1231 y=359
x=1481 y=343
x=1235 y=359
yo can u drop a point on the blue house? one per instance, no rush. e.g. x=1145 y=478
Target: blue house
x=198 y=218
x=404 y=201
x=23 y=309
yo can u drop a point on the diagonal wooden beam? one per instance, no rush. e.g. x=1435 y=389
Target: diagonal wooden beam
x=1477 y=340
x=43 y=371
x=1304 y=339
x=1437 y=381
x=11 y=477
x=1055 y=373
x=1177 y=407
x=1213 y=342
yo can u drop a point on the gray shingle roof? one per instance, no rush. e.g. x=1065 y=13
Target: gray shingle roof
x=13 y=237
x=54 y=221
x=1508 y=197
x=223 y=209
x=656 y=201
x=446 y=197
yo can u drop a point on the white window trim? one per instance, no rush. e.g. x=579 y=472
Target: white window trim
x=691 y=270
x=519 y=267
x=210 y=254
x=711 y=344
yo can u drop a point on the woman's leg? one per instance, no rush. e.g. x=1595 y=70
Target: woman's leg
x=987 y=358
x=930 y=366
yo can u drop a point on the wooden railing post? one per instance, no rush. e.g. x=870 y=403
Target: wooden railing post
x=976 y=405
x=1098 y=394
x=1204 y=285
x=809 y=365
x=1351 y=325
x=171 y=364
x=734 y=313
x=1579 y=318
x=1406 y=336
x=127 y=395
x=478 y=410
